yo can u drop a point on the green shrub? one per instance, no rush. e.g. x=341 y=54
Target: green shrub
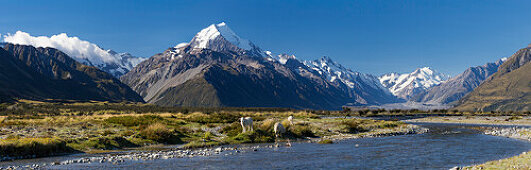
x=208 y=136
x=106 y=143
x=326 y=141
x=33 y=146
x=302 y=131
x=267 y=125
x=353 y=126
x=233 y=129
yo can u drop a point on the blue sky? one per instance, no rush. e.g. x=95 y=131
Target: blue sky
x=368 y=36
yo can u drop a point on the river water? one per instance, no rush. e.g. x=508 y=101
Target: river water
x=444 y=147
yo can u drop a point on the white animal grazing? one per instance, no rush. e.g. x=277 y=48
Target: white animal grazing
x=247 y=123
x=279 y=129
x=290 y=119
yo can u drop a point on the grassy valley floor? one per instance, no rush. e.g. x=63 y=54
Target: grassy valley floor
x=37 y=129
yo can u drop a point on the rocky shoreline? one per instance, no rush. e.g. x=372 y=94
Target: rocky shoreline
x=146 y=156
x=410 y=129
x=476 y=120
x=523 y=133
x=513 y=132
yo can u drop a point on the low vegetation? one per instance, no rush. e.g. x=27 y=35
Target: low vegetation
x=517 y=162
x=33 y=129
x=32 y=147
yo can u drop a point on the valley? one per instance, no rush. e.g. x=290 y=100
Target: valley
x=352 y=87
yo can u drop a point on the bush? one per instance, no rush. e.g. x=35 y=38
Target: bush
x=33 y=146
x=160 y=133
x=302 y=131
x=232 y=130
x=107 y=143
x=353 y=126
x=208 y=136
x=267 y=125
x=326 y=141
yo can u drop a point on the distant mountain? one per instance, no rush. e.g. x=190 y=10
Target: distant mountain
x=509 y=89
x=365 y=87
x=82 y=51
x=217 y=68
x=411 y=84
x=41 y=73
x=455 y=88
x=19 y=80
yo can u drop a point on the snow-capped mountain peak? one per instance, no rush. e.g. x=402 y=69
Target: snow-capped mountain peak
x=281 y=58
x=80 y=50
x=334 y=71
x=409 y=84
x=209 y=38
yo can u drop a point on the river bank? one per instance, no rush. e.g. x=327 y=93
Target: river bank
x=522 y=161
x=181 y=152
x=479 y=120
x=90 y=130
x=443 y=147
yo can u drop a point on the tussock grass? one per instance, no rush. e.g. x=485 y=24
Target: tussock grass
x=129 y=121
x=37 y=147
x=104 y=143
x=106 y=126
x=326 y=141
x=521 y=161
x=161 y=133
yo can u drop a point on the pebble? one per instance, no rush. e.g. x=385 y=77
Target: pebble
x=139 y=156
x=510 y=132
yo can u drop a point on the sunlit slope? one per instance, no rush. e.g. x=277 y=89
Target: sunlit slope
x=509 y=89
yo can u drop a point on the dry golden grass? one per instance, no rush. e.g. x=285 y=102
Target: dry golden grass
x=522 y=161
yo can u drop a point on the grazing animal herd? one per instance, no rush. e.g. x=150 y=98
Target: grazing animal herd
x=279 y=129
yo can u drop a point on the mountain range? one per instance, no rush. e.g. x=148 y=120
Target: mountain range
x=509 y=89
x=411 y=84
x=452 y=90
x=82 y=51
x=218 y=68
x=47 y=73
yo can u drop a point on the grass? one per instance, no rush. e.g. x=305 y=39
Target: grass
x=32 y=147
x=326 y=141
x=160 y=133
x=96 y=126
x=521 y=161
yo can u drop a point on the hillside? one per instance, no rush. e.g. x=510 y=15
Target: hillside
x=41 y=73
x=455 y=88
x=509 y=89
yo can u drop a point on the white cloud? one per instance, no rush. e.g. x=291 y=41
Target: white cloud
x=73 y=46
